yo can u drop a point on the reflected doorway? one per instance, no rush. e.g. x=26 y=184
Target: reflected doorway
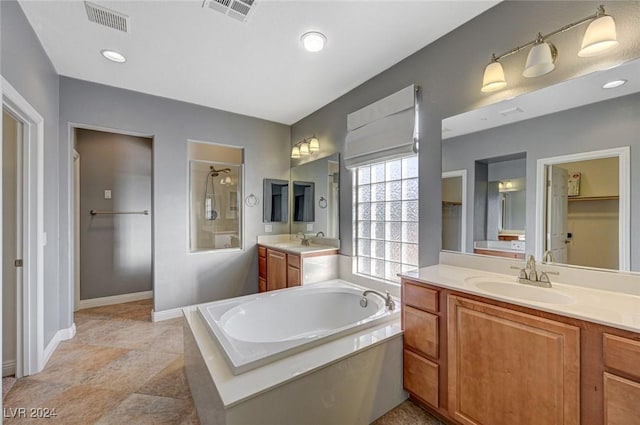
x=454 y=214
x=585 y=205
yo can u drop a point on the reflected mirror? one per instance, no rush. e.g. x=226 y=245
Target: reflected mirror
x=304 y=208
x=315 y=192
x=276 y=201
x=575 y=145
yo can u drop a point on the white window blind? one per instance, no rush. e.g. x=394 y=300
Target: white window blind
x=384 y=130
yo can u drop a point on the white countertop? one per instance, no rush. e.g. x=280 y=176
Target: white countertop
x=293 y=245
x=608 y=308
x=298 y=248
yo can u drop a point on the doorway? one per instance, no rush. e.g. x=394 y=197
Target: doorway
x=112 y=200
x=454 y=210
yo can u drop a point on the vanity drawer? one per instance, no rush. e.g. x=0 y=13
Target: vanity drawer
x=420 y=377
x=293 y=260
x=420 y=297
x=621 y=397
x=262 y=251
x=421 y=331
x=622 y=354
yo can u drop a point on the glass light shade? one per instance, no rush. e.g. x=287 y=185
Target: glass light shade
x=599 y=37
x=313 y=41
x=493 y=77
x=227 y=180
x=295 y=152
x=314 y=144
x=304 y=149
x=540 y=60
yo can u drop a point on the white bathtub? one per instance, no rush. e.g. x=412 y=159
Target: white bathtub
x=258 y=329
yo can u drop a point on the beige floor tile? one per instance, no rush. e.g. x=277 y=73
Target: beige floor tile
x=142 y=409
x=408 y=413
x=75 y=363
x=169 y=382
x=29 y=392
x=131 y=371
x=83 y=405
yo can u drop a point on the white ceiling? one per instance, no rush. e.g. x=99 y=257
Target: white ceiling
x=180 y=50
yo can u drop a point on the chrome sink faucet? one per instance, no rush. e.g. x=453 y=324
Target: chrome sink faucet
x=319 y=234
x=303 y=240
x=388 y=301
x=529 y=275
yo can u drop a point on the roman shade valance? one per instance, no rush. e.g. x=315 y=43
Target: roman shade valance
x=384 y=130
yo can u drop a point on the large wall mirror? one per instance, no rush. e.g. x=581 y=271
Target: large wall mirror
x=549 y=173
x=315 y=188
x=275 y=207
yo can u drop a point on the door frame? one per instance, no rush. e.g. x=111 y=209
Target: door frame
x=624 y=191
x=31 y=295
x=463 y=218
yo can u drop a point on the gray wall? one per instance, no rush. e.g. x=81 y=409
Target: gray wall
x=608 y=124
x=181 y=278
x=115 y=250
x=449 y=72
x=27 y=68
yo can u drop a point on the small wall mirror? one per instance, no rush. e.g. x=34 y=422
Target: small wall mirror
x=276 y=201
x=304 y=208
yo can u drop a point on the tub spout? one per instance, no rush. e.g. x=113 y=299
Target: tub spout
x=388 y=301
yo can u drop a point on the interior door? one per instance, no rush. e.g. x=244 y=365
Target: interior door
x=557 y=212
x=11 y=243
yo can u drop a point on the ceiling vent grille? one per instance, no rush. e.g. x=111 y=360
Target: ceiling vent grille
x=237 y=9
x=107 y=17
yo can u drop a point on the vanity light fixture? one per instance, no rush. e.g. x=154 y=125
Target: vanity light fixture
x=305 y=147
x=599 y=37
x=613 y=84
x=313 y=41
x=113 y=56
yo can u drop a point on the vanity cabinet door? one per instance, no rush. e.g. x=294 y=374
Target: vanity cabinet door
x=507 y=367
x=621 y=401
x=293 y=277
x=276 y=270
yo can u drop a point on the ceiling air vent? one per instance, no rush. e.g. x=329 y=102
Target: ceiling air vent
x=511 y=111
x=237 y=9
x=107 y=17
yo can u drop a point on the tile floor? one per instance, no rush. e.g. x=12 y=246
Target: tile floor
x=121 y=368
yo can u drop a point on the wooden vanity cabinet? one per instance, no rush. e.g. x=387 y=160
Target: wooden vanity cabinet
x=278 y=269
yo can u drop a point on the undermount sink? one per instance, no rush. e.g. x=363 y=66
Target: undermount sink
x=520 y=291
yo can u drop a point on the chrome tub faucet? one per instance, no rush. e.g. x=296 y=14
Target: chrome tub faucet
x=388 y=301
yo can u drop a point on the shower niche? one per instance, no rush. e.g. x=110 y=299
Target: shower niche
x=215 y=194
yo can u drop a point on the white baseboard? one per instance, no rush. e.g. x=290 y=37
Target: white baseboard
x=8 y=368
x=61 y=335
x=172 y=313
x=115 y=299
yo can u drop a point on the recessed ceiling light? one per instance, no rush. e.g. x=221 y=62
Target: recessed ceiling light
x=313 y=41
x=113 y=56
x=613 y=84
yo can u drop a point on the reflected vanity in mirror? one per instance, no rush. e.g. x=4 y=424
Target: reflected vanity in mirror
x=315 y=188
x=574 y=145
x=276 y=201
